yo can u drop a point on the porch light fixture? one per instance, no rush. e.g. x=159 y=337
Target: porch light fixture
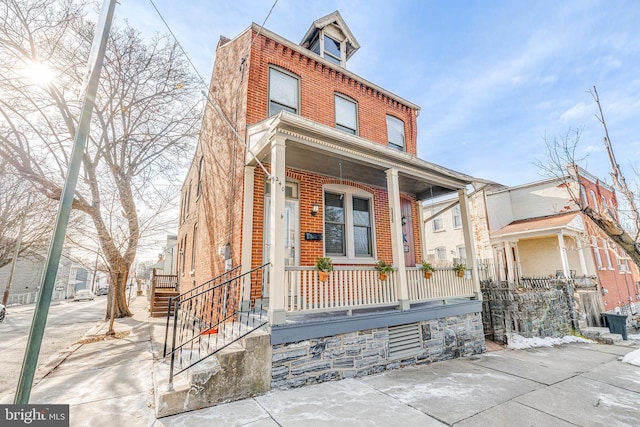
x=314 y=209
x=404 y=220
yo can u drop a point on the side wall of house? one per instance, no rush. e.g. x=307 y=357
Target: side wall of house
x=213 y=191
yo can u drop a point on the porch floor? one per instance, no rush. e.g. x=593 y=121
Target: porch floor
x=301 y=326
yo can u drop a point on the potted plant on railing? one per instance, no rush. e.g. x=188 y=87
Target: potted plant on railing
x=324 y=266
x=383 y=269
x=427 y=269
x=460 y=269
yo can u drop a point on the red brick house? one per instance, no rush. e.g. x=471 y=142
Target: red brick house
x=616 y=273
x=298 y=159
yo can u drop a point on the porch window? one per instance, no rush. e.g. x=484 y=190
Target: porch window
x=441 y=254
x=346 y=115
x=457 y=218
x=395 y=133
x=462 y=254
x=348 y=223
x=284 y=90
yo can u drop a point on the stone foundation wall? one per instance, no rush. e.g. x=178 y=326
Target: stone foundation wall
x=367 y=352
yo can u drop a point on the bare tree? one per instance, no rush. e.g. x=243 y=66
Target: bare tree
x=145 y=121
x=561 y=161
x=15 y=207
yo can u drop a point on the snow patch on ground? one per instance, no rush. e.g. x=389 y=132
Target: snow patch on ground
x=518 y=342
x=632 y=358
x=634 y=337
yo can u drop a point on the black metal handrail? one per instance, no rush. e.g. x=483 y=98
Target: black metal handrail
x=214 y=318
x=221 y=278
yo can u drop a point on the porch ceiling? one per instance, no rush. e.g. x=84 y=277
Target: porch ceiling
x=324 y=150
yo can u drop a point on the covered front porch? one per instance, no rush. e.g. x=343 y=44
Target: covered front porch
x=553 y=247
x=354 y=201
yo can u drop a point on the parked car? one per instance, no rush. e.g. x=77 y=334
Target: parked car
x=102 y=291
x=3 y=310
x=83 y=294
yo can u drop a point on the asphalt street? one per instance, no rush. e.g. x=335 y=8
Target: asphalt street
x=67 y=322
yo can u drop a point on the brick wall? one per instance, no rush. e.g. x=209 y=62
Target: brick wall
x=318 y=83
x=240 y=87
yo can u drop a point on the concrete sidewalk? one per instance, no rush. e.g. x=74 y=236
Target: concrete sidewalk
x=109 y=383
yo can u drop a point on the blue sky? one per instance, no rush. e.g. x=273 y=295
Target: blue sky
x=492 y=77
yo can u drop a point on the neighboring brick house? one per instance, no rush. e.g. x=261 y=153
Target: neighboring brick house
x=617 y=274
x=299 y=159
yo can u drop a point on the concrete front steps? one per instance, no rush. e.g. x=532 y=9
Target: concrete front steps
x=239 y=371
x=601 y=335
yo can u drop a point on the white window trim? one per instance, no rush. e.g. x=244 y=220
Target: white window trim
x=404 y=135
x=433 y=222
x=349 y=192
x=335 y=112
x=454 y=215
x=605 y=246
x=596 y=251
x=288 y=73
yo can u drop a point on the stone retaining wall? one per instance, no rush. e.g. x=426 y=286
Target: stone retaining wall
x=549 y=313
x=367 y=352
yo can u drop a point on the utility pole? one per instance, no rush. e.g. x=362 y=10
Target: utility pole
x=5 y=296
x=41 y=311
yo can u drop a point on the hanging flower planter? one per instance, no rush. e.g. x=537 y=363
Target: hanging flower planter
x=324 y=266
x=428 y=269
x=460 y=269
x=383 y=269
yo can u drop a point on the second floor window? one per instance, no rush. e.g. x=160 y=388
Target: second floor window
x=437 y=221
x=283 y=92
x=346 y=115
x=457 y=218
x=395 y=133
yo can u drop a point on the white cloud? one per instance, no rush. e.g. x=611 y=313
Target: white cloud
x=576 y=112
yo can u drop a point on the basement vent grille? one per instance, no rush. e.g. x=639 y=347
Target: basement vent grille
x=404 y=341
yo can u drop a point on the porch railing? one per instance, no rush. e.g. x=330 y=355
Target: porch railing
x=361 y=287
x=345 y=288
x=210 y=320
x=444 y=283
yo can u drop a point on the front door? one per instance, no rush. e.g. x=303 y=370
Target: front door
x=291 y=229
x=407 y=233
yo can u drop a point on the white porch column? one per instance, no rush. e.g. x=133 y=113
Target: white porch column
x=247 y=234
x=397 y=247
x=563 y=255
x=421 y=230
x=469 y=244
x=511 y=269
x=583 y=260
x=277 y=292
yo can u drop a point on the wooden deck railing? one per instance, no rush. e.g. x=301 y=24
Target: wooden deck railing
x=360 y=287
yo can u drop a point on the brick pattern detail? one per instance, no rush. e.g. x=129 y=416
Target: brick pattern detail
x=366 y=352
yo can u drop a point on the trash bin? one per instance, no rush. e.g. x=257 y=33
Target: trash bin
x=617 y=324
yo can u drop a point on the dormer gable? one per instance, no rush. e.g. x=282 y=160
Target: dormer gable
x=331 y=38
